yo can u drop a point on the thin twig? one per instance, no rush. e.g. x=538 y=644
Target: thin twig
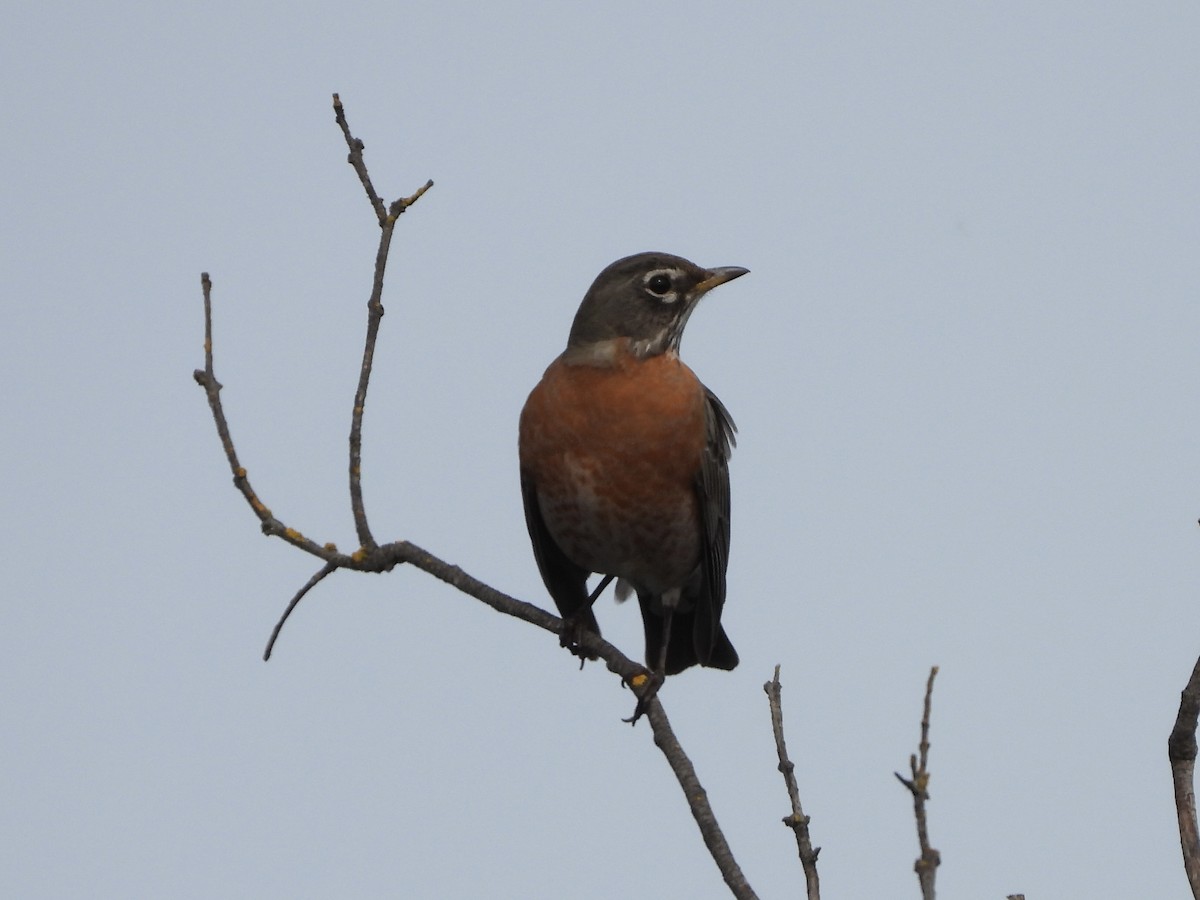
x=327 y=569
x=1181 y=750
x=387 y=225
x=697 y=798
x=927 y=863
x=356 y=160
x=212 y=388
x=797 y=821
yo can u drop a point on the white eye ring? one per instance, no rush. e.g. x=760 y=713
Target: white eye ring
x=660 y=284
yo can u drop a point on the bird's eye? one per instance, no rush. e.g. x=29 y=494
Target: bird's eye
x=659 y=284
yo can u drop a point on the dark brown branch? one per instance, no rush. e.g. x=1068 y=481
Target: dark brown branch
x=371 y=557
x=1181 y=750
x=927 y=863
x=797 y=821
x=697 y=798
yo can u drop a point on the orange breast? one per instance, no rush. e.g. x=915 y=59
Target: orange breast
x=613 y=451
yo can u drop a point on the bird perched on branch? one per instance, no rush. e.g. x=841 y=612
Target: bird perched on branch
x=625 y=465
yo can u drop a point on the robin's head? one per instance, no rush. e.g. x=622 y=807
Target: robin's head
x=646 y=298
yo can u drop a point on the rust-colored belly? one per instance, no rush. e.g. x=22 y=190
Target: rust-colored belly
x=613 y=451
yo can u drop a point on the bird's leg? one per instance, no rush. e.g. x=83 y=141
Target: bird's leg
x=572 y=626
x=656 y=678
x=668 y=612
x=595 y=595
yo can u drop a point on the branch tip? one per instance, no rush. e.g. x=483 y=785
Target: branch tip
x=797 y=821
x=929 y=858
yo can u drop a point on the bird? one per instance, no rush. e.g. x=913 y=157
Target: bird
x=624 y=464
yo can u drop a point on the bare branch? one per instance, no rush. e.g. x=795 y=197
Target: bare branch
x=1181 y=750
x=270 y=525
x=927 y=863
x=212 y=388
x=387 y=224
x=797 y=821
x=356 y=160
x=372 y=557
x=714 y=839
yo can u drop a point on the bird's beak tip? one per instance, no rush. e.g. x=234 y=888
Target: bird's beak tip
x=719 y=276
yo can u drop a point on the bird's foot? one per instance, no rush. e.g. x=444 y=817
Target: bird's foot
x=569 y=636
x=645 y=685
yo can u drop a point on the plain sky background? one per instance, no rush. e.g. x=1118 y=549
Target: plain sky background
x=964 y=368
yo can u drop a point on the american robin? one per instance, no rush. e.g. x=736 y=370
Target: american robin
x=625 y=465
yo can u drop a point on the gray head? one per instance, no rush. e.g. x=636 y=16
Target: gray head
x=647 y=298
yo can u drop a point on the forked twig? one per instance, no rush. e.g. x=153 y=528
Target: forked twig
x=387 y=224
x=927 y=863
x=797 y=821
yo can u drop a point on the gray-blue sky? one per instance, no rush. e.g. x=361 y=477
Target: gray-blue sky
x=964 y=368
